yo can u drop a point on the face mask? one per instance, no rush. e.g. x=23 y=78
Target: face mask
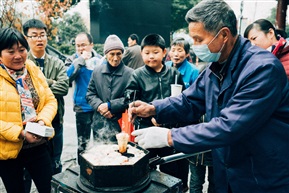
x=204 y=53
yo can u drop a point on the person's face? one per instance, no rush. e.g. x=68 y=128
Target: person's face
x=37 y=40
x=130 y=42
x=82 y=44
x=201 y=36
x=15 y=57
x=153 y=57
x=114 y=57
x=259 y=38
x=177 y=54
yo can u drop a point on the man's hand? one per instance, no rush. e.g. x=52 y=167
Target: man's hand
x=86 y=55
x=152 y=137
x=104 y=111
x=153 y=120
x=140 y=109
x=102 y=108
x=50 y=82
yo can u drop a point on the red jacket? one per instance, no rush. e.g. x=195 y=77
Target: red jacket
x=281 y=51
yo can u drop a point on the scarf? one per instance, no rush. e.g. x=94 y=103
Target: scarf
x=27 y=107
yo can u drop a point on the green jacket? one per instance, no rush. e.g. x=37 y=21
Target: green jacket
x=56 y=77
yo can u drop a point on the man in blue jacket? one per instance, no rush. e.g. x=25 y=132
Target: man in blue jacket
x=81 y=65
x=245 y=94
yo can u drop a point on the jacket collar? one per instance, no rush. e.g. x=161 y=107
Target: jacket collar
x=153 y=71
x=5 y=74
x=222 y=75
x=218 y=68
x=182 y=67
x=118 y=72
x=280 y=48
x=31 y=57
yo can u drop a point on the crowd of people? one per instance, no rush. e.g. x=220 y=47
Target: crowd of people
x=238 y=106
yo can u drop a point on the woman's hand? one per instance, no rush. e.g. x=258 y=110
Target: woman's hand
x=30 y=137
x=40 y=122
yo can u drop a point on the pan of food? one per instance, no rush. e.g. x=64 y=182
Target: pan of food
x=122 y=167
x=104 y=169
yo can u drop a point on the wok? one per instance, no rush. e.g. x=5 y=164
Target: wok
x=122 y=178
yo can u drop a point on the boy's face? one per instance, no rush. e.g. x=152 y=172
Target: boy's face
x=153 y=57
x=177 y=54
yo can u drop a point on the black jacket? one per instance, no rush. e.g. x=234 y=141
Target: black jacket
x=106 y=86
x=150 y=85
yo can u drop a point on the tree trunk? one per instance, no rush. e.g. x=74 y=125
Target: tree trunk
x=281 y=14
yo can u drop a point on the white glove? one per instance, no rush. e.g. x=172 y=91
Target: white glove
x=86 y=55
x=152 y=137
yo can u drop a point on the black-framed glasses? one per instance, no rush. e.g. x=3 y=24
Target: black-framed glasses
x=82 y=45
x=43 y=36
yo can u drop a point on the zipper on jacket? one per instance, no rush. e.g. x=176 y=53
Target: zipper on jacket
x=221 y=78
x=161 y=89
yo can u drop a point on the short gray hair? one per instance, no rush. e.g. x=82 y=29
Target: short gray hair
x=214 y=14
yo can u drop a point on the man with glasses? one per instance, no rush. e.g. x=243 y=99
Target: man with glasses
x=244 y=93
x=81 y=65
x=55 y=73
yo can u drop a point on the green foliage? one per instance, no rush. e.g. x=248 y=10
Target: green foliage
x=272 y=19
x=179 y=10
x=67 y=49
x=98 y=48
x=68 y=27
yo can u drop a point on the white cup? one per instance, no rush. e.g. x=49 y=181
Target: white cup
x=176 y=89
x=122 y=140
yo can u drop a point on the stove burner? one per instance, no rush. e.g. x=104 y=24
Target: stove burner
x=85 y=186
x=69 y=181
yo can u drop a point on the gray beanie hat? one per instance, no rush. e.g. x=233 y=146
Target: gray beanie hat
x=112 y=42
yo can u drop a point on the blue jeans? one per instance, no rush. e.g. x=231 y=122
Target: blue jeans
x=198 y=165
x=198 y=178
x=83 y=128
